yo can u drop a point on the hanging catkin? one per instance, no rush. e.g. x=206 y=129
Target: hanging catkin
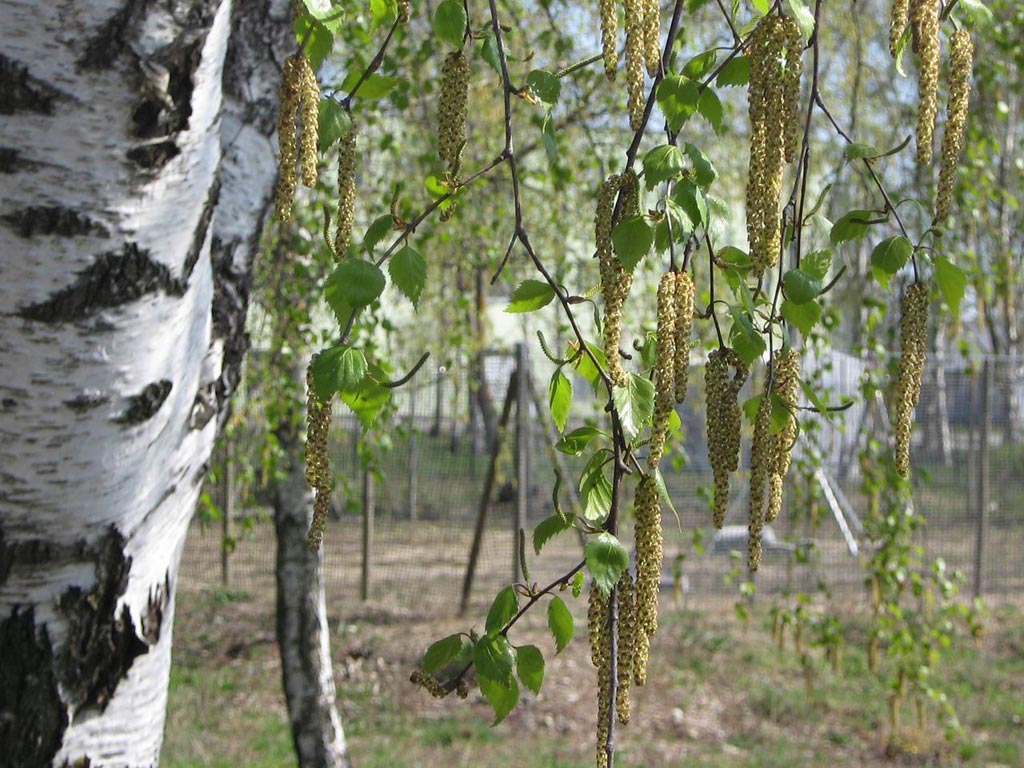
x=961 y=58
x=664 y=368
x=898 y=20
x=609 y=37
x=452 y=111
x=913 y=346
x=924 y=22
x=636 y=42
x=626 y=597
x=600 y=656
x=616 y=280
x=287 y=110
x=309 y=98
x=652 y=38
x=649 y=554
x=723 y=422
x=685 y=292
x=318 y=472
x=346 y=191
x=786 y=386
x=760 y=457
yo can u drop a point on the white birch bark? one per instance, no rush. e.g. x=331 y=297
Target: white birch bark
x=112 y=367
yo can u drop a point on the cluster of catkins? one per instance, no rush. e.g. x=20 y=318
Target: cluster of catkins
x=616 y=280
x=299 y=97
x=671 y=371
x=922 y=17
x=774 y=94
x=643 y=48
x=913 y=343
x=724 y=421
x=318 y=471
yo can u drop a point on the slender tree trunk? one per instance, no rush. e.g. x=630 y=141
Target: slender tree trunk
x=115 y=369
x=302 y=629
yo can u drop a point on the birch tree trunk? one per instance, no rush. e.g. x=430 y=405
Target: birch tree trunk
x=122 y=297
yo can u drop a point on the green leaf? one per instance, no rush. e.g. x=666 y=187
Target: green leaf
x=493 y=658
x=373 y=88
x=334 y=123
x=690 y=199
x=530 y=296
x=659 y=483
x=595 y=490
x=450 y=22
x=336 y=370
x=817 y=264
x=504 y=607
x=577 y=584
x=803 y=16
x=762 y=6
x=354 y=283
x=678 y=97
x=376 y=232
x=857 y=151
x=635 y=405
x=632 y=240
x=441 y=653
x=803 y=316
x=851 y=226
x=703 y=171
x=952 y=282
x=744 y=338
x=701 y=64
x=489 y=53
x=606 y=559
x=976 y=14
x=560 y=623
x=530 y=666
x=735 y=258
x=585 y=366
x=545 y=86
x=502 y=695
x=367 y=401
x=547 y=529
x=661 y=164
x=801 y=287
x=710 y=108
x=735 y=73
x=318 y=39
x=575 y=442
x=560 y=398
x=384 y=12
x=408 y=270
x=891 y=254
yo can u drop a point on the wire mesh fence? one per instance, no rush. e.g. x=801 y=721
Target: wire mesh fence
x=403 y=538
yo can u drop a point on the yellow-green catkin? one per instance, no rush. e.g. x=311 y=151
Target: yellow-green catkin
x=913 y=346
x=924 y=21
x=664 y=368
x=452 y=111
x=652 y=36
x=309 y=98
x=649 y=554
x=600 y=656
x=615 y=279
x=346 y=191
x=760 y=458
x=318 y=471
x=287 y=110
x=786 y=385
x=898 y=20
x=636 y=43
x=404 y=11
x=961 y=59
x=609 y=37
x=685 y=292
x=723 y=422
x=429 y=683
x=773 y=96
x=625 y=594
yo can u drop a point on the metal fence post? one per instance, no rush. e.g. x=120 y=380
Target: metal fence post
x=369 y=501
x=413 y=465
x=227 y=512
x=983 y=464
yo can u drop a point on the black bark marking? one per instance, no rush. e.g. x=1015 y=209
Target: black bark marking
x=231 y=287
x=86 y=402
x=204 y=407
x=52 y=220
x=11 y=161
x=103 y=48
x=8 y=403
x=144 y=406
x=155 y=155
x=20 y=92
x=32 y=716
x=114 y=279
x=202 y=227
x=153 y=617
